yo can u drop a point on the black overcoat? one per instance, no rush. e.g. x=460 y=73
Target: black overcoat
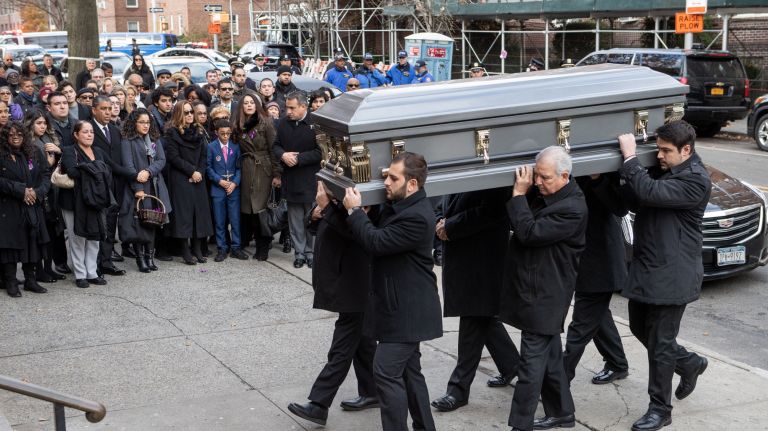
x=298 y=181
x=89 y=223
x=603 y=264
x=547 y=239
x=404 y=306
x=120 y=174
x=478 y=235
x=341 y=274
x=187 y=154
x=666 y=265
x=16 y=217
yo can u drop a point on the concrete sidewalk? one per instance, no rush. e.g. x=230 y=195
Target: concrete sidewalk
x=227 y=346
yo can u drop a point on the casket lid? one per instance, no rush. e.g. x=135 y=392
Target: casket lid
x=391 y=108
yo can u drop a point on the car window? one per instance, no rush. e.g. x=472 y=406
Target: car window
x=197 y=68
x=21 y=54
x=118 y=63
x=620 y=58
x=218 y=56
x=715 y=67
x=594 y=59
x=272 y=52
x=671 y=64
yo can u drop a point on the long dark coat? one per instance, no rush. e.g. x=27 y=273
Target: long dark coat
x=298 y=181
x=405 y=305
x=669 y=205
x=341 y=275
x=187 y=154
x=89 y=223
x=603 y=264
x=258 y=165
x=548 y=237
x=477 y=226
x=134 y=156
x=16 y=217
x=120 y=174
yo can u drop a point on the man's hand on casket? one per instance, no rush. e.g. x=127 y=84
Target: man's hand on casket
x=322 y=198
x=523 y=180
x=628 y=145
x=352 y=198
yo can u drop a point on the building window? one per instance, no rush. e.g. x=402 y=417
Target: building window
x=133 y=26
x=132 y=4
x=234 y=25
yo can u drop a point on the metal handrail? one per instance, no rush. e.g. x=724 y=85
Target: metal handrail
x=94 y=411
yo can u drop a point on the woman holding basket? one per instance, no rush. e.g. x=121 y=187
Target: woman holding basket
x=143 y=152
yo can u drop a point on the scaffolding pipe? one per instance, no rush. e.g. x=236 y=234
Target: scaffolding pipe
x=546 y=44
x=464 y=48
x=656 y=32
x=597 y=34
x=726 y=19
x=503 y=43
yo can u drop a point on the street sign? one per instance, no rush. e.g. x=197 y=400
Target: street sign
x=215 y=18
x=685 y=23
x=695 y=7
x=156 y=10
x=213 y=8
x=214 y=28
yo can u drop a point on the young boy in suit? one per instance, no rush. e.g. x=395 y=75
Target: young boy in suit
x=224 y=172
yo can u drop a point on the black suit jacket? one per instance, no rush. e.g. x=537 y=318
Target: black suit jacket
x=404 y=306
x=111 y=149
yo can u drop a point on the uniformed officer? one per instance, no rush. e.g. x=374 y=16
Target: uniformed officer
x=260 y=65
x=339 y=75
x=286 y=60
x=535 y=64
x=477 y=70
x=422 y=74
x=368 y=75
x=401 y=73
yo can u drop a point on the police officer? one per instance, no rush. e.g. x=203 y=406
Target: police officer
x=339 y=75
x=402 y=73
x=368 y=75
x=477 y=70
x=286 y=60
x=422 y=74
x=260 y=65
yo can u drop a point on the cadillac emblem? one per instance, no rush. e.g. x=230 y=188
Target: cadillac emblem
x=725 y=222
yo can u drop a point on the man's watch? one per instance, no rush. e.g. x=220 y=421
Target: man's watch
x=351 y=210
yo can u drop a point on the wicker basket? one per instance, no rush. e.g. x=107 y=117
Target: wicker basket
x=150 y=217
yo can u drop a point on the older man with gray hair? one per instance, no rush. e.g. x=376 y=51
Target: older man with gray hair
x=548 y=222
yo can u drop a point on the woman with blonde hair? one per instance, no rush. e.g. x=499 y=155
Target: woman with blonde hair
x=107 y=85
x=187 y=158
x=126 y=107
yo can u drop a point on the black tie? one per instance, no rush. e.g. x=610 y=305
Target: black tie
x=106 y=135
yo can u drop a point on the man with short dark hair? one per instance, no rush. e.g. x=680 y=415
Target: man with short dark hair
x=76 y=110
x=242 y=82
x=267 y=92
x=226 y=96
x=548 y=222
x=405 y=303
x=162 y=104
x=297 y=149
x=49 y=69
x=60 y=118
x=212 y=77
x=284 y=85
x=108 y=69
x=666 y=269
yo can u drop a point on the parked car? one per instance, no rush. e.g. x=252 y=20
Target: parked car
x=217 y=57
x=118 y=60
x=197 y=65
x=303 y=83
x=271 y=51
x=20 y=52
x=757 y=122
x=734 y=227
x=719 y=88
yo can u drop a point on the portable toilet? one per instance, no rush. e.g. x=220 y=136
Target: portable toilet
x=435 y=49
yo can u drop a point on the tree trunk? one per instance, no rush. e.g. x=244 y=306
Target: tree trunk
x=82 y=35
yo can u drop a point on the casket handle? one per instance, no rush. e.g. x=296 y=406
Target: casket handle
x=641 y=123
x=564 y=134
x=482 y=144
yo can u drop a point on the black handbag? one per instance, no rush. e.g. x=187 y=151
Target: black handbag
x=273 y=218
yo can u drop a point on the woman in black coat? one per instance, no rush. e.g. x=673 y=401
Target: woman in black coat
x=139 y=67
x=187 y=156
x=24 y=181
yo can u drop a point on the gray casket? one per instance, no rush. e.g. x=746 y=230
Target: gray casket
x=475 y=132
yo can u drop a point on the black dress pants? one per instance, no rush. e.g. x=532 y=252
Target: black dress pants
x=401 y=387
x=474 y=333
x=541 y=373
x=656 y=326
x=106 y=247
x=348 y=347
x=593 y=321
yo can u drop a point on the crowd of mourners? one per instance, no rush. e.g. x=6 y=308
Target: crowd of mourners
x=91 y=162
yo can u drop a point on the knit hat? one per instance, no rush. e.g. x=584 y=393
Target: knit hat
x=284 y=69
x=271 y=104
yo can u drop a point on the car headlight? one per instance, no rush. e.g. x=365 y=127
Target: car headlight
x=759 y=100
x=760 y=194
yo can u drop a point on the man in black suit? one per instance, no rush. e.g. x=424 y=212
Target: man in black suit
x=341 y=279
x=548 y=223
x=474 y=228
x=226 y=96
x=405 y=306
x=106 y=136
x=49 y=69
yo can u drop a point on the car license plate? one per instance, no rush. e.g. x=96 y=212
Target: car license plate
x=717 y=91
x=731 y=255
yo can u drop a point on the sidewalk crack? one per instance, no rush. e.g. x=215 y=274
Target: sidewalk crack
x=139 y=305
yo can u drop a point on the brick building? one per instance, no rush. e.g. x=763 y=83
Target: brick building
x=10 y=19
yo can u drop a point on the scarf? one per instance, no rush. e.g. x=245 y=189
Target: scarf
x=150 y=147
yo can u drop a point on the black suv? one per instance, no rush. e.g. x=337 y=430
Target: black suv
x=719 y=88
x=757 y=122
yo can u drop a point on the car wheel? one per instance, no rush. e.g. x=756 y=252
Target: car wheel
x=761 y=133
x=707 y=130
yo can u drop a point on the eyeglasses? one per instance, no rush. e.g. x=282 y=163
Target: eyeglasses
x=353 y=85
x=220 y=89
x=188 y=112
x=86 y=97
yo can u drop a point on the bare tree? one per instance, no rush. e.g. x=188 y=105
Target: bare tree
x=55 y=9
x=83 y=43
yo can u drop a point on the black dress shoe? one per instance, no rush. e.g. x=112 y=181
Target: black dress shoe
x=500 y=381
x=220 y=256
x=45 y=277
x=549 y=422
x=111 y=270
x=607 y=376
x=448 y=403
x=310 y=262
x=32 y=286
x=360 y=403
x=239 y=254
x=652 y=421
x=115 y=257
x=13 y=292
x=298 y=263
x=81 y=283
x=63 y=269
x=688 y=383
x=99 y=281
x=310 y=411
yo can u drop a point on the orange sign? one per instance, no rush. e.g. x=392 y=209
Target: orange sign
x=685 y=23
x=214 y=28
x=695 y=6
